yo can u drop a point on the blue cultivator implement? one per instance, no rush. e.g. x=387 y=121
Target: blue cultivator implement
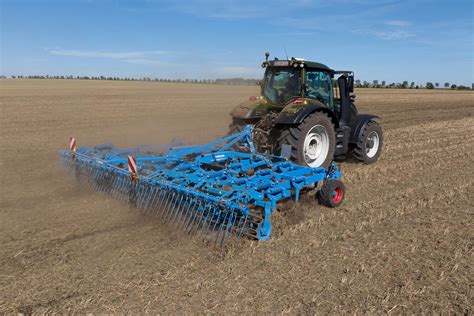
x=212 y=188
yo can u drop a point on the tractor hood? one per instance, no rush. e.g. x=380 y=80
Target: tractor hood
x=253 y=108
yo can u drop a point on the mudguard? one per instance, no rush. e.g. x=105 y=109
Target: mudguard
x=357 y=123
x=294 y=114
x=253 y=108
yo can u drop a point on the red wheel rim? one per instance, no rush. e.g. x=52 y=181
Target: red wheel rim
x=337 y=195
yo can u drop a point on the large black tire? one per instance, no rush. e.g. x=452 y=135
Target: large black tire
x=371 y=136
x=295 y=137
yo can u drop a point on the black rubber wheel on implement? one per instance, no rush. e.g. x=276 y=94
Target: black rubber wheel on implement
x=295 y=137
x=370 y=142
x=332 y=193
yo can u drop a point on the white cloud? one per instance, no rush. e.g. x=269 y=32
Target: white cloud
x=148 y=62
x=398 y=34
x=399 y=23
x=393 y=35
x=104 y=54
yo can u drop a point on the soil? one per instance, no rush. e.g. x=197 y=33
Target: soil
x=402 y=242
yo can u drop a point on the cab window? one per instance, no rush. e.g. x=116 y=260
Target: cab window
x=319 y=87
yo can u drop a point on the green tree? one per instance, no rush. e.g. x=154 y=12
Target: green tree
x=429 y=85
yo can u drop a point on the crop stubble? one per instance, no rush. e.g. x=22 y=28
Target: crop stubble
x=402 y=241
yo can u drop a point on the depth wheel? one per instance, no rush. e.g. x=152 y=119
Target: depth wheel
x=369 y=145
x=332 y=193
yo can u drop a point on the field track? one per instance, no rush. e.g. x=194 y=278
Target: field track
x=402 y=242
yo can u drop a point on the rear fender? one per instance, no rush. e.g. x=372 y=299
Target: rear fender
x=295 y=118
x=357 y=124
x=252 y=109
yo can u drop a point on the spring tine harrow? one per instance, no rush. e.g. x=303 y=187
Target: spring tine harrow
x=207 y=188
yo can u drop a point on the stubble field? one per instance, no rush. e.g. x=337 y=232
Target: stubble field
x=401 y=243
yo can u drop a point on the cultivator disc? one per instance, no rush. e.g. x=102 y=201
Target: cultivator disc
x=204 y=188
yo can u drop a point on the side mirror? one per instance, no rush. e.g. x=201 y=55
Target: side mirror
x=350 y=83
x=258 y=83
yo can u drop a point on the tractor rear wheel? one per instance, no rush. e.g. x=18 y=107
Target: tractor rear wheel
x=313 y=142
x=369 y=145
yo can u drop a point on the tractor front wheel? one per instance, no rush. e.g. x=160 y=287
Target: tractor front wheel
x=369 y=145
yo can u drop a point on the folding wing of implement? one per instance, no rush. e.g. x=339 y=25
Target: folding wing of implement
x=212 y=188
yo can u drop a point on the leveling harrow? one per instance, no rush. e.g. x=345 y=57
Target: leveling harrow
x=212 y=188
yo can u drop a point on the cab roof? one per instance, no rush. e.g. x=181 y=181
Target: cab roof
x=293 y=61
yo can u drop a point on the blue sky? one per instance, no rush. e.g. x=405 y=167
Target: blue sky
x=417 y=40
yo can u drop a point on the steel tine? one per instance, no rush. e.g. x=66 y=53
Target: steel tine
x=124 y=187
x=170 y=204
x=156 y=204
x=211 y=219
x=207 y=214
x=168 y=198
x=216 y=221
x=127 y=186
x=190 y=214
x=116 y=184
x=159 y=201
x=197 y=216
x=172 y=207
x=208 y=220
x=230 y=224
x=109 y=183
x=115 y=190
x=181 y=208
x=146 y=195
x=191 y=203
x=220 y=225
x=149 y=198
x=200 y=217
x=176 y=208
x=143 y=194
x=193 y=214
x=242 y=228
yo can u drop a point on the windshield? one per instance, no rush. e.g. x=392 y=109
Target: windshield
x=282 y=84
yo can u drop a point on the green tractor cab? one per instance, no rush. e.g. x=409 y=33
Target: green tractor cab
x=306 y=112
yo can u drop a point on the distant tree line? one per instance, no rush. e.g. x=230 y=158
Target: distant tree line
x=228 y=81
x=250 y=82
x=406 y=85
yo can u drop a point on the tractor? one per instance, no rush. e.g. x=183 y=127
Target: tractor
x=306 y=113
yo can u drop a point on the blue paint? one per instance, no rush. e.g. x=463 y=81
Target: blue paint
x=208 y=187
